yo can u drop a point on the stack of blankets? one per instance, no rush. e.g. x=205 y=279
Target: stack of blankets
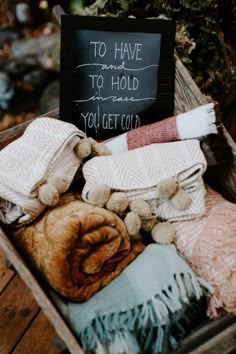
x=120 y=295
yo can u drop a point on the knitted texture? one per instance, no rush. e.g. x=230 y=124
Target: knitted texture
x=160 y=132
x=209 y=245
x=44 y=151
x=139 y=171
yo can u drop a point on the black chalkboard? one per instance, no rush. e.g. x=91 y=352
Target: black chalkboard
x=116 y=73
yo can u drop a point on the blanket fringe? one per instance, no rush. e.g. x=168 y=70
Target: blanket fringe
x=154 y=327
x=201 y=121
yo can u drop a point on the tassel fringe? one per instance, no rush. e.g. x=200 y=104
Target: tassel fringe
x=154 y=327
x=199 y=122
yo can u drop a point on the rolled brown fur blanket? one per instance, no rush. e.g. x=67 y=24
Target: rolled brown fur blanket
x=77 y=248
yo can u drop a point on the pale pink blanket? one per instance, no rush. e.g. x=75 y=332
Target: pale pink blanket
x=209 y=245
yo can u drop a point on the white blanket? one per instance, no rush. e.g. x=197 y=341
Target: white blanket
x=139 y=171
x=43 y=151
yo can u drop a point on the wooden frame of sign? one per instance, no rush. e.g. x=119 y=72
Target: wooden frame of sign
x=116 y=73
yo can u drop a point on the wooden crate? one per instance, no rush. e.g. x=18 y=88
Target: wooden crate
x=211 y=336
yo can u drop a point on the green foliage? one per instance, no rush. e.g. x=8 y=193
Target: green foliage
x=184 y=45
x=206 y=60
x=197 y=43
x=76 y=6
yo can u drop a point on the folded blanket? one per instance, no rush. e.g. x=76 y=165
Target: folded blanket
x=201 y=121
x=148 y=308
x=138 y=172
x=44 y=151
x=76 y=248
x=209 y=245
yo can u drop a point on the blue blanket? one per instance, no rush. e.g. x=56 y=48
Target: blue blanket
x=148 y=308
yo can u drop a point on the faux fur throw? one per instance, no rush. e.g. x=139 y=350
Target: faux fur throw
x=209 y=245
x=201 y=121
x=76 y=248
x=148 y=308
x=44 y=151
x=139 y=171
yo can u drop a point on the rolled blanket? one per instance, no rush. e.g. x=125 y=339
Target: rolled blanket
x=148 y=308
x=138 y=173
x=44 y=151
x=209 y=245
x=76 y=248
x=201 y=121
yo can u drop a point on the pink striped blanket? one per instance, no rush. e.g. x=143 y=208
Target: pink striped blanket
x=201 y=121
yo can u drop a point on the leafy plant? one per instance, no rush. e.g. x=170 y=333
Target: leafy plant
x=76 y=6
x=197 y=43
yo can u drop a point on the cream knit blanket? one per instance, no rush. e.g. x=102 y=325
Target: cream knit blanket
x=138 y=172
x=44 y=150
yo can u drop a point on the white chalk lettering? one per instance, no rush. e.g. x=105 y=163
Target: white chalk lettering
x=110 y=120
x=128 y=51
x=129 y=83
x=115 y=99
x=99 y=48
x=113 y=67
x=139 y=48
x=130 y=121
x=97 y=80
x=90 y=120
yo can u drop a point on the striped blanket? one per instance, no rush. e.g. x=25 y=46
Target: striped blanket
x=201 y=121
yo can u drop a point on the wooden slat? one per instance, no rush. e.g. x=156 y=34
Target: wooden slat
x=6 y=274
x=223 y=343
x=187 y=93
x=221 y=177
x=17 y=309
x=208 y=332
x=37 y=338
x=7 y=136
x=43 y=300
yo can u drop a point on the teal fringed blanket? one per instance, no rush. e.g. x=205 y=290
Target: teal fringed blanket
x=146 y=309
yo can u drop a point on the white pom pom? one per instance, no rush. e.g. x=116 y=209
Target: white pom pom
x=99 y=195
x=61 y=183
x=118 y=202
x=166 y=189
x=148 y=224
x=48 y=194
x=181 y=200
x=163 y=233
x=83 y=149
x=141 y=207
x=133 y=223
x=100 y=149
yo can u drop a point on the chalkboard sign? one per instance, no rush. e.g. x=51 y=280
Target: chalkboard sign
x=116 y=73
